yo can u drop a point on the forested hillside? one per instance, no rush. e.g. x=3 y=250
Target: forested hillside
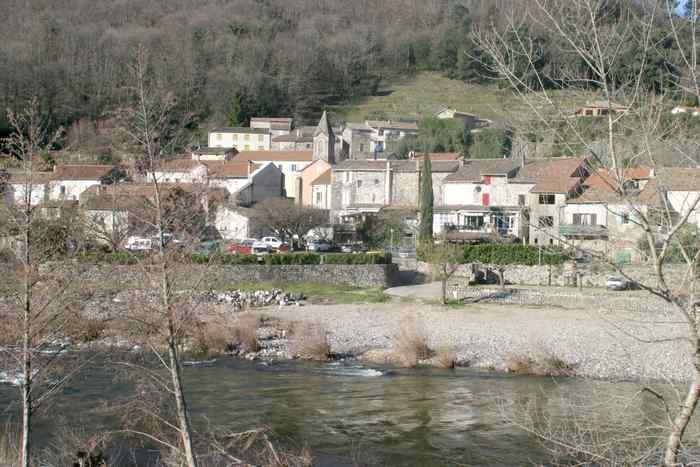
x=228 y=60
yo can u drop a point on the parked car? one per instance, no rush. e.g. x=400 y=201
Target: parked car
x=260 y=248
x=319 y=246
x=242 y=247
x=275 y=243
x=352 y=248
x=618 y=283
x=135 y=243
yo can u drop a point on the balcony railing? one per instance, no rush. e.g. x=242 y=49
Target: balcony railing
x=577 y=230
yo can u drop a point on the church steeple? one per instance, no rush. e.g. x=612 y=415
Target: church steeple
x=324 y=141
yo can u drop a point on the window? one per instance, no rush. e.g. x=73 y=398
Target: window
x=545 y=221
x=536 y=241
x=247 y=147
x=374 y=197
x=474 y=222
x=261 y=138
x=63 y=190
x=362 y=148
x=381 y=132
x=246 y=137
x=261 y=148
x=521 y=200
x=547 y=198
x=218 y=136
x=347 y=177
x=376 y=182
x=551 y=241
x=319 y=197
x=589 y=112
x=359 y=183
x=293 y=168
x=234 y=137
x=585 y=219
x=625 y=218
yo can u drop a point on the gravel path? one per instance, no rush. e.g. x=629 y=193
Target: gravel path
x=599 y=345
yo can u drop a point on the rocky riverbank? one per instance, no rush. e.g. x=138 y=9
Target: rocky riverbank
x=587 y=343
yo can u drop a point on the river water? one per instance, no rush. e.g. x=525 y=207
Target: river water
x=376 y=416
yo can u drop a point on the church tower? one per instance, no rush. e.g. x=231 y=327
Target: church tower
x=324 y=141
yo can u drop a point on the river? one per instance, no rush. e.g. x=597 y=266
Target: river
x=375 y=415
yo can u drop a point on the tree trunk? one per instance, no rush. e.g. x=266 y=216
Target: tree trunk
x=444 y=291
x=680 y=423
x=180 y=402
x=25 y=442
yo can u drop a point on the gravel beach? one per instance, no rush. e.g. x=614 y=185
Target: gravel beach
x=612 y=345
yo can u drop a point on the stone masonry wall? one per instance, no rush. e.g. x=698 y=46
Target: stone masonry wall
x=561 y=275
x=224 y=276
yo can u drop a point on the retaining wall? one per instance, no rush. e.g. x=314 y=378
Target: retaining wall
x=221 y=276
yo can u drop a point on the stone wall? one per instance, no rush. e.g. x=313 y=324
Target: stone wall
x=589 y=275
x=224 y=276
x=636 y=301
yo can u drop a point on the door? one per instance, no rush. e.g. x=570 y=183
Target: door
x=485 y=198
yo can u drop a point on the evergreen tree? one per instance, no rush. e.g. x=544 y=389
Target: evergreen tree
x=235 y=111
x=467 y=140
x=425 y=233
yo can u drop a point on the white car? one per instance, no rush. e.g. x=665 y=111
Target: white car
x=618 y=283
x=273 y=242
x=319 y=246
x=260 y=248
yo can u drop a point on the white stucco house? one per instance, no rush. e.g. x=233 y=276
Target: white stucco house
x=290 y=164
x=276 y=125
x=240 y=138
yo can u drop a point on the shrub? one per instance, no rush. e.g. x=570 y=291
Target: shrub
x=310 y=342
x=411 y=345
x=293 y=258
x=209 y=340
x=358 y=258
x=246 y=332
x=512 y=254
x=446 y=358
x=124 y=258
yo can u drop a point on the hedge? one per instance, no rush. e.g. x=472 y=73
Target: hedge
x=130 y=258
x=512 y=254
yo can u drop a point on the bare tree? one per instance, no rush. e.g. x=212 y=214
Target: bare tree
x=445 y=259
x=39 y=319
x=152 y=129
x=289 y=220
x=634 y=130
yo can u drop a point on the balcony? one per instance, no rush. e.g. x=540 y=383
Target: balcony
x=583 y=231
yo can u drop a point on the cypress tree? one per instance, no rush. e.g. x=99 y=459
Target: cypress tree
x=425 y=233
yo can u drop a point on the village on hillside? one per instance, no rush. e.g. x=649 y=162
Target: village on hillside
x=348 y=172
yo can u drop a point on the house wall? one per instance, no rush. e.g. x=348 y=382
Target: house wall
x=16 y=192
x=292 y=146
x=357 y=144
x=241 y=141
x=310 y=173
x=197 y=174
x=73 y=189
x=102 y=224
x=233 y=224
x=545 y=236
x=501 y=193
x=682 y=201
x=320 y=196
x=267 y=183
x=230 y=184
x=600 y=210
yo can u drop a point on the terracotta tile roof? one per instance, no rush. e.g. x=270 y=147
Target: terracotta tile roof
x=550 y=184
x=604 y=180
x=293 y=138
x=396 y=165
x=603 y=104
x=274 y=156
x=231 y=169
x=241 y=129
x=82 y=172
x=213 y=150
x=138 y=192
x=474 y=170
x=323 y=179
x=563 y=167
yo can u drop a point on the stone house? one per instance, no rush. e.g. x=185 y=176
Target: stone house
x=18 y=185
x=468 y=118
x=385 y=131
x=483 y=198
x=276 y=125
x=246 y=181
x=70 y=181
x=553 y=182
x=366 y=186
x=357 y=142
x=296 y=140
x=241 y=138
x=599 y=108
x=291 y=163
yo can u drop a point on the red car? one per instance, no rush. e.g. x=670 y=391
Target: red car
x=244 y=247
